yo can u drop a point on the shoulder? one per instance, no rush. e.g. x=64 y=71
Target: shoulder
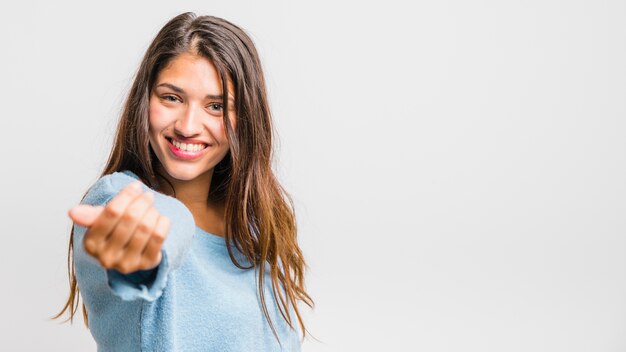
x=107 y=186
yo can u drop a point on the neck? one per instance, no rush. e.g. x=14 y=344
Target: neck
x=191 y=192
x=194 y=194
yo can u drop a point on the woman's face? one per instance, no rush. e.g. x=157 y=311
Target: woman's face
x=186 y=128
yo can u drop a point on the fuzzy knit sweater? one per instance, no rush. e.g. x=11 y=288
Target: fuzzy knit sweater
x=196 y=299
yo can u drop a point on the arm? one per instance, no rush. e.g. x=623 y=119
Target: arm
x=144 y=284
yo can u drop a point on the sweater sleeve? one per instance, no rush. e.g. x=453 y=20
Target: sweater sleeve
x=142 y=284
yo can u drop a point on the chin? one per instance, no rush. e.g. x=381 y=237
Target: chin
x=186 y=173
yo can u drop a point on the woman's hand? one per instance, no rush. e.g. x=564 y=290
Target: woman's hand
x=126 y=234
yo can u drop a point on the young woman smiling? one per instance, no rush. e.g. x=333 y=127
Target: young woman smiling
x=187 y=230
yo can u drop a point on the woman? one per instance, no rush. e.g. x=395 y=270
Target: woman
x=165 y=242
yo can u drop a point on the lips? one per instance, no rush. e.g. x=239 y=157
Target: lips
x=188 y=146
x=186 y=154
x=187 y=140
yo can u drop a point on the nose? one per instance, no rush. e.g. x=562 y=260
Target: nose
x=188 y=123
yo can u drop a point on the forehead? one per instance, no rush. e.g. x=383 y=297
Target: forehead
x=195 y=74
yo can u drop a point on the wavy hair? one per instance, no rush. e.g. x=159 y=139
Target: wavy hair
x=259 y=214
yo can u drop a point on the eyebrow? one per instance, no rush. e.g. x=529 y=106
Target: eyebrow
x=181 y=91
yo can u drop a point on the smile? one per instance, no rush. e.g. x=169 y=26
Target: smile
x=188 y=147
x=186 y=151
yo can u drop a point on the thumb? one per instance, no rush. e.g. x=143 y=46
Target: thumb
x=85 y=215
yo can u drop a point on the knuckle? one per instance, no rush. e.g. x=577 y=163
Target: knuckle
x=113 y=211
x=142 y=263
x=129 y=215
x=90 y=246
x=149 y=262
x=153 y=215
x=157 y=232
x=161 y=231
x=107 y=261
x=157 y=238
x=148 y=197
x=144 y=227
x=121 y=269
x=125 y=268
x=130 y=189
x=90 y=252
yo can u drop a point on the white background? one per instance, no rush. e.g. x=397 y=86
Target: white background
x=458 y=167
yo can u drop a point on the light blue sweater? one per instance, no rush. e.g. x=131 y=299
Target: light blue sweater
x=195 y=300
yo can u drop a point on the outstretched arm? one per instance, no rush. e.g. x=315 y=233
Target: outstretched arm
x=128 y=234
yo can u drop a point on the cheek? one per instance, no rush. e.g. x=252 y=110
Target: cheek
x=218 y=130
x=157 y=118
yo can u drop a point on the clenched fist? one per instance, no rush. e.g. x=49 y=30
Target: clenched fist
x=126 y=234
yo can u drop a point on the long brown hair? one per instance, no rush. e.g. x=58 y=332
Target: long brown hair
x=259 y=213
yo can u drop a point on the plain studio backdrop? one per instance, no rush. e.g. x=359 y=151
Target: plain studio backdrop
x=458 y=167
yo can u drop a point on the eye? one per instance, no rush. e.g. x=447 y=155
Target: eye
x=169 y=97
x=215 y=107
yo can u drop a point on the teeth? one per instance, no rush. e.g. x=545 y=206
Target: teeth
x=188 y=147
